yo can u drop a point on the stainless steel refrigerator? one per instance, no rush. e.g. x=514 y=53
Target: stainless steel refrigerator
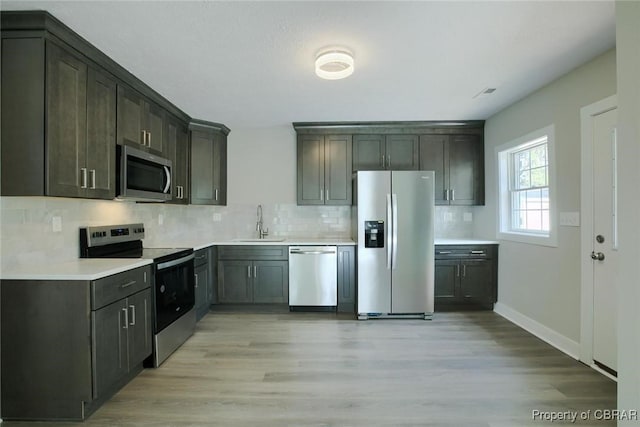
x=394 y=212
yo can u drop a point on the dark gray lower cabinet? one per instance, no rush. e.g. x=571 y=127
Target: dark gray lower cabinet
x=466 y=277
x=204 y=280
x=347 y=279
x=68 y=346
x=253 y=274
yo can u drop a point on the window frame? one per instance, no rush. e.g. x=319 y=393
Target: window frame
x=505 y=177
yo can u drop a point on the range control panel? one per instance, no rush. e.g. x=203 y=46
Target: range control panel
x=374 y=234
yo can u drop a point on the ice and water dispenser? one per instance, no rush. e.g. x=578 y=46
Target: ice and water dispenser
x=374 y=234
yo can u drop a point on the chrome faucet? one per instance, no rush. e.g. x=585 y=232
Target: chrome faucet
x=259 y=225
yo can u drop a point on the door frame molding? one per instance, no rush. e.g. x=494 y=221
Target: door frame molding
x=587 y=115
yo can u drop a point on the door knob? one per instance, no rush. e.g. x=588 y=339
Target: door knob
x=597 y=256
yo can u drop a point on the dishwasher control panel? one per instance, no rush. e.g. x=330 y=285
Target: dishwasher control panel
x=374 y=234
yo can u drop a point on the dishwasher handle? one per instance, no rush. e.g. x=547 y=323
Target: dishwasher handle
x=313 y=251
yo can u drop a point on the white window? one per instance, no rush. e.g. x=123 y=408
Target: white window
x=526 y=189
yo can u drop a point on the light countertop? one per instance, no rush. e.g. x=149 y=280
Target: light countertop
x=96 y=268
x=78 y=269
x=465 y=242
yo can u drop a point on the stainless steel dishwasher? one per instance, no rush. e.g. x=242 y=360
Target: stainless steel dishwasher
x=313 y=276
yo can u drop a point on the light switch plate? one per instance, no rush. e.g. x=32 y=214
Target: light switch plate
x=160 y=219
x=217 y=217
x=570 y=219
x=467 y=217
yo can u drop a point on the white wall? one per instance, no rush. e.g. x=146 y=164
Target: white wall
x=628 y=49
x=543 y=283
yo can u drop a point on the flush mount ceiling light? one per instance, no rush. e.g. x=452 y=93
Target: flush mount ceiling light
x=334 y=64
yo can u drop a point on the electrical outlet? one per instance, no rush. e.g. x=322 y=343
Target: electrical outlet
x=56 y=223
x=448 y=216
x=160 y=219
x=217 y=217
x=467 y=217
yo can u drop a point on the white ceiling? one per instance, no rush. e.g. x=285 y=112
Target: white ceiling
x=250 y=64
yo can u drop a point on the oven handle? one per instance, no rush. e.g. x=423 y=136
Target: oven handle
x=169 y=264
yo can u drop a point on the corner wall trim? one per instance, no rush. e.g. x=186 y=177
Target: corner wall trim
x=562 y=343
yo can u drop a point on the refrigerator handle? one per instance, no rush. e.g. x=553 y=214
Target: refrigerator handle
x=389 y=231
x=394 y=238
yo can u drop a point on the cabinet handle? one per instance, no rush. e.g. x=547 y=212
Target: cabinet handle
x=145 y=277
x=195 y=276
x=458 y=270
x=477 y=252
x=149 y=139
x=83 y=172
x=132 y=282
x=133 y=315
x=321 y=195
x=382 y=161
x=389 y=162
x=181 y=192
x=453 y=194
x=446 y=194
x=249 y=271
x=327 y=197
x=444 y=252
x=93 y=179
x=464 y=270
x=255 y=271
x=144 y=137
x=216 y=194
x=126 y=318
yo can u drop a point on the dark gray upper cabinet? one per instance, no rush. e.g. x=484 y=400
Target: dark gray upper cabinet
x=458 y=162
x=324 y=169
x=140 y=121
x=58 y=125
x=65 y=105
x=385 y=152
x=177 y=150
x=208 y=163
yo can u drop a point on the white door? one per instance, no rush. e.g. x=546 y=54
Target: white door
x=604 y=243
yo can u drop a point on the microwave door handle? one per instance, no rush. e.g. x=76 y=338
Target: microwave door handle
x=167 y=186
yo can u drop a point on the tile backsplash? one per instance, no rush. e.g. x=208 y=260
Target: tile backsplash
x=30 y=232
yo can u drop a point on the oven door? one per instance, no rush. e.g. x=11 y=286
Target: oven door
x=174 y=290
x=142 y=176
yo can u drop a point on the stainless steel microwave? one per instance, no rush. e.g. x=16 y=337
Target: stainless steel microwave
x=142 y=176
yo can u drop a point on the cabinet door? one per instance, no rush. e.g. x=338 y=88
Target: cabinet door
x=337 y=169
x=402 y=152
x=270 y=282
x=139 y=330
x=102 y=98
x=220 y=169
x=310 y=157
x=66 y=119
x=433 y=152
x=346 y=279
x=109 y=335
x=447 y=274
x=369 y=152
x=201 y=290
x=234 y=282
x=202 y=168
x=154 y=124
x=131 y=117
x=476 y=281
x=466 y=170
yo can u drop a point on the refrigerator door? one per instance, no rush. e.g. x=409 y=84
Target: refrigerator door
x=413 y=251
x=374 y=274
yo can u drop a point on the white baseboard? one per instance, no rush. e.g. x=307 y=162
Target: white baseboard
x=559 y=341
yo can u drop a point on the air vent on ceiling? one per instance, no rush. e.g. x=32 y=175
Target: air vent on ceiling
x=485 y=92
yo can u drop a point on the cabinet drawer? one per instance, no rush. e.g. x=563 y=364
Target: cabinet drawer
x=267 y=252
x=112 y=288
x=202 y=257
x=465 y=251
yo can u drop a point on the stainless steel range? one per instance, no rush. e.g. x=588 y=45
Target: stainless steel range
x=174 y=314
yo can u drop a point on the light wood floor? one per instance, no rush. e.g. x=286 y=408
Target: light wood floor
x=319 y=369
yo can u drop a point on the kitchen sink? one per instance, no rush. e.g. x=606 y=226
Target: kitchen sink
x=266 y=239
